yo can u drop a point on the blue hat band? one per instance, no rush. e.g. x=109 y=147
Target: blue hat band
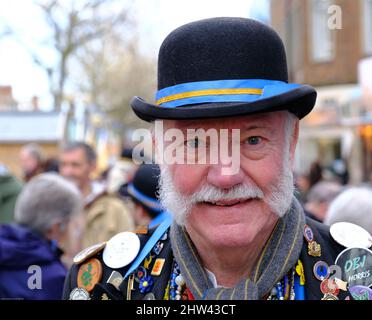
x=248 y=90
x=146 y=200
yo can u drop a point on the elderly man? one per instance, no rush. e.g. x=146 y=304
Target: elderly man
x=236 y=234
x=30 y=266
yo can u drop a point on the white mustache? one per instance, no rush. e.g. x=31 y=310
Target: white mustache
x=209 y=193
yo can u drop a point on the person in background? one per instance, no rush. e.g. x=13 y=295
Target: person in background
x=30 y=266
x=315 y=173
x=143 y=192
x=10 y=187
x=51 y=165
x=31 y=159
x=353 y=205
x=305 y=181
x=104 y=214
x=319 y=198
x=122 y=172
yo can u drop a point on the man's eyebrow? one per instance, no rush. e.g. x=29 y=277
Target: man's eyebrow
x=258 y=126
x=255 y=126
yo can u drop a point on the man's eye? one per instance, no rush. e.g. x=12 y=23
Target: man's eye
x=253 y=140
x=194 y=143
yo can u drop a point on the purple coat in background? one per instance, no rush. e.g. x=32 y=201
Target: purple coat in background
x=21 y=248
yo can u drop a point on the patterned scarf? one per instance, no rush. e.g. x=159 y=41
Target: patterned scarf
x=279 y=255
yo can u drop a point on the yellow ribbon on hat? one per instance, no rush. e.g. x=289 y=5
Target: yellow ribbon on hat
x=208 y=92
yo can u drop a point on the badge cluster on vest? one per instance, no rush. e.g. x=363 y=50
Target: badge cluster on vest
x=89 y=273
x=355 y=270
x=351 y=271
x=143 y=277
x=321 y=270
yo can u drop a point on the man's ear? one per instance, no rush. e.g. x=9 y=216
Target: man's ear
x=293 y=141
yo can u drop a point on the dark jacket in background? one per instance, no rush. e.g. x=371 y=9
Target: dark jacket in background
x=20 y=248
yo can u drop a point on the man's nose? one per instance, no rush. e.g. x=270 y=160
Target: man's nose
x=224 y=177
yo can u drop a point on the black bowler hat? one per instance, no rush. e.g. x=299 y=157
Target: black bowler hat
x=223 y=67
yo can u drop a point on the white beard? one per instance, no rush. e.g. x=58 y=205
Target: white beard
x=179 y=205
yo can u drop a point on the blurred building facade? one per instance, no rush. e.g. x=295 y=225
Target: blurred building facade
x=325 y=41
x=7 y=101
x=22 y=127
x=50 y=129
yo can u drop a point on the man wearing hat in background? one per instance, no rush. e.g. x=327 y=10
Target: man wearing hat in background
x=143 y=193
x=236 y=234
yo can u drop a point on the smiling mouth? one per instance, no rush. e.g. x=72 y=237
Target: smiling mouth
x=228 y=203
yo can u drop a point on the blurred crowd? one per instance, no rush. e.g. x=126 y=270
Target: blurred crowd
x=59 y=209
x=327 y=196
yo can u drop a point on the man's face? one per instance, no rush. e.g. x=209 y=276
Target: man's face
x=75 y=166
x=231 y=210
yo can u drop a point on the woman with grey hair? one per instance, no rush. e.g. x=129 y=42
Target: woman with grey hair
x=353 y=205
x=30 y=266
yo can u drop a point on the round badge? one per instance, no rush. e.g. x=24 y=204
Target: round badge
x=121 y=250
x=350 y=235
x=356 y=266
x=79 y=294
x=321 y=270
x=308 y=233
x=88 y=252
x=361 y=293
x=90 y=273
x=329 y=287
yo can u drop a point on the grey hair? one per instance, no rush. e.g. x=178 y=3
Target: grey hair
x=34 y=150
x=353 y=205
x=289 y=127
x=46 y=199
x=89 y=152
x=324 y=192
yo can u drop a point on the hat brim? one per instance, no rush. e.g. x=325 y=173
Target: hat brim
x=299 y=101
